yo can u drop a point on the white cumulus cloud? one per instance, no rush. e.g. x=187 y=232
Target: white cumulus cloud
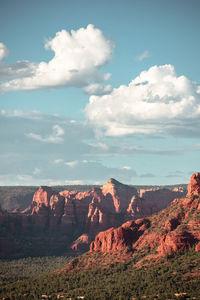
x=78 y=56
x=157 y=101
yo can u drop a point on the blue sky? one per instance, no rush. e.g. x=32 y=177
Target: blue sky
x=97 y=89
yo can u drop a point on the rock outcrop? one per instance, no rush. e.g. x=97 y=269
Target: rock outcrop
x=175 y=228
x=41 y=199
x=194 y=185
x=81 y=244
x=121 y=194
x=120 y=238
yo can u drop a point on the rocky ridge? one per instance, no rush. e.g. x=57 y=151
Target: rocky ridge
x=175 y=228
x=56 y=220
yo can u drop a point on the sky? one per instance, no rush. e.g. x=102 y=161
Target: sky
x=96 y=89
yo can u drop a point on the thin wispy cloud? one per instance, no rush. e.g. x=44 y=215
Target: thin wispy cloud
x=50 y=153
x=55 y=137
x=71 y=164
x=147 y=175
x=143 y=55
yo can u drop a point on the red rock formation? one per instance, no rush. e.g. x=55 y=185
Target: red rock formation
x=120 y=238
x=173 y=229
x=175 y=241
x=138 y=208
x=56 y=205
x=156 y=200
x=68 y=194
x=194 y=185
x=41 y=198
x=81 y=243
x=120 y=193
x=69 y=215
x=112 y=239
x=57 y=217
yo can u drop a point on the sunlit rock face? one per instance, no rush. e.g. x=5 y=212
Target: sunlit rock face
x=175 y=228
x=194 y=185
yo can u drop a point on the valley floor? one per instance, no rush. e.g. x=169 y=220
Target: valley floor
x=174 y=277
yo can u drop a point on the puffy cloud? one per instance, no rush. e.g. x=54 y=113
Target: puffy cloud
x=143 y=55
x=3 y=51
x=55 y=137
x=156 y=102
x=98 y=89
x=78 y=55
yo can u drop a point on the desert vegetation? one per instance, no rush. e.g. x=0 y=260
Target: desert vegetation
x=25 y=268
x=176 y=276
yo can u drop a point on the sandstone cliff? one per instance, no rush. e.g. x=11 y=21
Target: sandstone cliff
x=175 y=228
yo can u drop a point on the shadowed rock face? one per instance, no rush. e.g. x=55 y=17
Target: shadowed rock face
x=175 y=228
x=55 y=220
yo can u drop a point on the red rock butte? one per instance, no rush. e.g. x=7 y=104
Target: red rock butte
x=173 y=229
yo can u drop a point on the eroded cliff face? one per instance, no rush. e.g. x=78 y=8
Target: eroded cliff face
x=175 y=228
x=120 y=194
x=41 y=198
x=56 y=220
x=194 y=185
